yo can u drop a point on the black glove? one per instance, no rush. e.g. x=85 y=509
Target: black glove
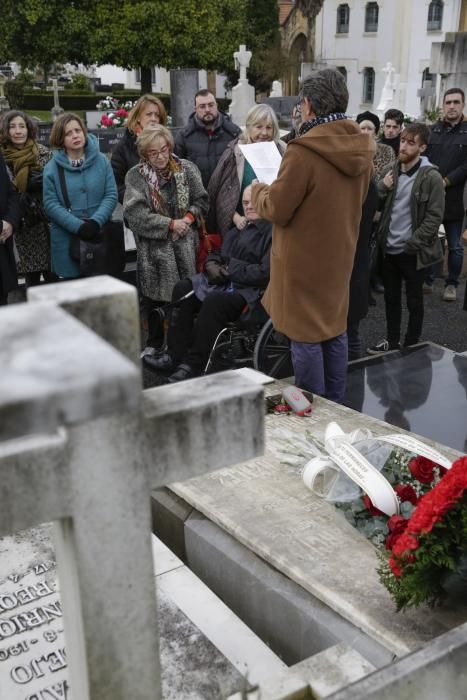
x=88 y=230
x=215 y=272
x=35 y=181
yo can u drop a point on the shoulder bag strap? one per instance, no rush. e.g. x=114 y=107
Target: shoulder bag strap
x=61 y=176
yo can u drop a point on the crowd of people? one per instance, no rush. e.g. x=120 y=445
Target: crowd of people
x=356 y=205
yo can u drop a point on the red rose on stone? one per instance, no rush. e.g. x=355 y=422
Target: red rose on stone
x=406 y=493
x=369 y=505
x=421 y=469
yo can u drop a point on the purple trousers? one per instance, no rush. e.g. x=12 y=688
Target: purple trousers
x=321 y=367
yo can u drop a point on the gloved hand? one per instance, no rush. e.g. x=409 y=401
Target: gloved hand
x=88 y=230
x=215 y=272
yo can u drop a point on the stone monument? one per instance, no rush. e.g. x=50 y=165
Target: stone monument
x=56 y=109
x=388 y=92
x=4 y=104
x=427 y=95
x=184 y=84
x=82 y=446
x=276 y=89
x=243 y=94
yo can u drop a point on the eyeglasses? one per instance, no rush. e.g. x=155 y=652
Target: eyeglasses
x=158 y=154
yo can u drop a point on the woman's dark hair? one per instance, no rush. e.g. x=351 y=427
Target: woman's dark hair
x=57 y=135
x=5 y=125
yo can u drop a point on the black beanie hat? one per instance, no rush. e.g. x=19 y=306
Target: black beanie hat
x=369 y=116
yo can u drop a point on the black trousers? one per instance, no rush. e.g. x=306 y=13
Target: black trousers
x=397 y=269
x=194 y=325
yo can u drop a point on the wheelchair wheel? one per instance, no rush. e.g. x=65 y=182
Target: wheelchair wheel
x=272 y=353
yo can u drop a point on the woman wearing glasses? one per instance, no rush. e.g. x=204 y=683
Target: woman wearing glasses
x=147 y=111
x=164 y=201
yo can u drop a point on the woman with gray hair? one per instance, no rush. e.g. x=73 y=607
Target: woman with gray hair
x=163 y=205
x=233 y=173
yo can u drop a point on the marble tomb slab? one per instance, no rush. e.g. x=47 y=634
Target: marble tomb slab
x=205 y=650
x=422 y=389
x=265 y=506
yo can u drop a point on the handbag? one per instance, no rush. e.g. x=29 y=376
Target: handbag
x=208 y=243
x=105 y=253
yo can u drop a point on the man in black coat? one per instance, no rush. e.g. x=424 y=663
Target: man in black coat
x=205 y=137
x=233 y=280
x=9 y=219
x=448 y=150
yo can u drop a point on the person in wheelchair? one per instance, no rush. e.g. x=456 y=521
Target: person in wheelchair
x=233 y=281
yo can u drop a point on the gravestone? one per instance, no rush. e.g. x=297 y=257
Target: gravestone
x=243 y=94
x=386 y=101
x=81 y=445
x=264 y=506
x=422 y=389
x=56 y=109
x=184 y=84
x=427 y=95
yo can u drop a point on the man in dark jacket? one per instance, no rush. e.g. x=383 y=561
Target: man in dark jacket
x=413 y=196
x=233 y=279
x=205 y=137
x=9 y=219
x=448 y=150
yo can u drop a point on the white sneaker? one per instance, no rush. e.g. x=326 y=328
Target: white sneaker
x=148 y=350
x=382 y=346
x=450 y=293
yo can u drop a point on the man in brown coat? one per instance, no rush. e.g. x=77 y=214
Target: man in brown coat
x=315 y=205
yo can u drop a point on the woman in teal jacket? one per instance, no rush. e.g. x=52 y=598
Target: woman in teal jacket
x=91 y=188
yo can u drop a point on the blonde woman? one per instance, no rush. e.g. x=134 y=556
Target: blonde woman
x=147 y=111
x=164 y=201
x=233 y=173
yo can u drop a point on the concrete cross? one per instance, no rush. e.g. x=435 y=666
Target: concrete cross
x=56 y=109
x=83 y=446
x=242 y=59
x=426 y=94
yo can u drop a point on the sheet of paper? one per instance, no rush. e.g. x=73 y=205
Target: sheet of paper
x=264 y=158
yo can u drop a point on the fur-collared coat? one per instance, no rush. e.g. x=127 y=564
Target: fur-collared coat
x=162 y=262
x=316 y=206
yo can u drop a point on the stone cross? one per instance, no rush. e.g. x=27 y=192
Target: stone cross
x=56 y=109
x=83 y=446
x=242 y=59
x=387 y=94
x=243 y=94
x=426 y=94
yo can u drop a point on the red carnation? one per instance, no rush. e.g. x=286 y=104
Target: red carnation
x=403 y=544
x=406 y=493
x=421 y=469
x=369 y=505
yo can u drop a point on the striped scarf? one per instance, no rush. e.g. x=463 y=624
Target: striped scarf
x=333 y=117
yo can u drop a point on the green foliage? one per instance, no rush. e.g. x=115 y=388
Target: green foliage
x=42 y=32
x=14 y=92
x=79 y=83
x=432 y=115
x=182 y=34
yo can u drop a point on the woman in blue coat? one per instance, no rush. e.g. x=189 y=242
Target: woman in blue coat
x=91 y=188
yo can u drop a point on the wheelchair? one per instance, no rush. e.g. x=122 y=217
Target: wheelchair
x=250 y=341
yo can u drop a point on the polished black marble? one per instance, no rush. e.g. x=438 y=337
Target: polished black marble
x=422 y=389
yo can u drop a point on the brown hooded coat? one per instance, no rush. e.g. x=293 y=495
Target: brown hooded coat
x=315 y=205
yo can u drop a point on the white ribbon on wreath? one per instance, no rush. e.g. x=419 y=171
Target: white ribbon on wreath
x=342 y=453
